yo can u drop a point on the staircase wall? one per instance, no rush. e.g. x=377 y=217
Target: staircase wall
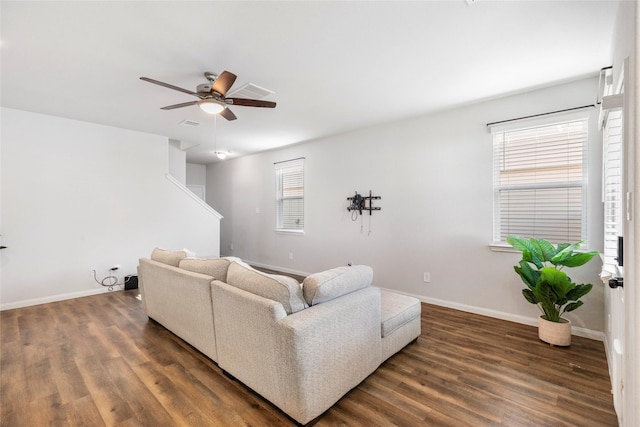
x=77 y=196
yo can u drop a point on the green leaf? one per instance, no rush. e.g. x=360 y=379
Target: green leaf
x=519 y=243
x=557 y=280
x=578 y=292
x=572 y=306
x=547 y=301
x=565 y=252
x=543 y=250
x=528 y=250
x=530 y=296
x=579 y=259
x=537 y=255
x=528 y=275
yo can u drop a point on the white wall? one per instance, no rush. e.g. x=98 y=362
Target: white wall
x=434 y=174
x=77 y=195
x=177 y=161
x=196 y=180
x=196 y=174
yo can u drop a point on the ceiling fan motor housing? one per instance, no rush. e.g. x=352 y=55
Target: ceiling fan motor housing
x=204 y=88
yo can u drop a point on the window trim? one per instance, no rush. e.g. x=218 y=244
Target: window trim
x=613 y=221
x=279 y=166
x=533 y=122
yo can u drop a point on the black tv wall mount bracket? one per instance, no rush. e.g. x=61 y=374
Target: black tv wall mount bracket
x=359 y=203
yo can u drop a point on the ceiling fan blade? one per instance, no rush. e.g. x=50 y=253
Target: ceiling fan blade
x=224 y=81
x=167 y=85
x=184 y=104
x=250 y=102
x=228 y=114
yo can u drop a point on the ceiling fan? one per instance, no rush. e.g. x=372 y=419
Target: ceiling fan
x=212 y=95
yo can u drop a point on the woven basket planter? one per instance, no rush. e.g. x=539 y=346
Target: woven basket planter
x=554 y=333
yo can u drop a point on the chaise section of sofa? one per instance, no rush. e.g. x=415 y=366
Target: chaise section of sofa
x=180 y=300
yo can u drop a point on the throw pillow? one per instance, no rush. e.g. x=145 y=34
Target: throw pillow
x=285 y=290
x=327 y=285
x=166 y=257
x=215 y=267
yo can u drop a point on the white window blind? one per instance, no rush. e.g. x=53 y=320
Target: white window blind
x=290 y=195
x=540 y=181
x=612 y=188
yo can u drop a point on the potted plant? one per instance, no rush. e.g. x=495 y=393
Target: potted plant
x=548 y=286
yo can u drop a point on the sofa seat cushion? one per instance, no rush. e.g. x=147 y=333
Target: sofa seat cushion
x=330 y=284
x=214 y=267
x=396 y=310
x=283 y=289
x=166 y=257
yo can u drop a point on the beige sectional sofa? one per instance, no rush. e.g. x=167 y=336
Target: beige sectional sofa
x=300 y=346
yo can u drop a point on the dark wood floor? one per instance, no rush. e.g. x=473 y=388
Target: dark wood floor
x=98 y=361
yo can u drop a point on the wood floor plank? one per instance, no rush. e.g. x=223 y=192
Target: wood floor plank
x=82 y=412
x=145 y=406
x=45 y=411
x=9 y=329
x=38 y=374
x=202 y=397
x=68 y=379
x=170 y=397
x=109 y=401
x=99 y=341
x=99 y=361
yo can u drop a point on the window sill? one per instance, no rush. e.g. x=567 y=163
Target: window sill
x=502 y=247
x=284 y=231
x=505 y=247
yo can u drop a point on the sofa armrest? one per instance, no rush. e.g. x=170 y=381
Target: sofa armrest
x=179 y=300
x=244 y=331
x=304 y=362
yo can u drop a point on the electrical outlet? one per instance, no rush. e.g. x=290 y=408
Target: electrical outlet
x=426 y=277
x=115 y=267
x=92 y=270
x=290 y=255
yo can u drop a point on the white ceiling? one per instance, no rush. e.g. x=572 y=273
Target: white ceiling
x=334 y=66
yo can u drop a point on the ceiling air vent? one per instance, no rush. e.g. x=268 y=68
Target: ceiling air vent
x=250 y=91
x=189 y=123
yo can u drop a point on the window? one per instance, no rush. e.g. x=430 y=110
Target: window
x=612 y=191
x=290 y=196
x=540 y=182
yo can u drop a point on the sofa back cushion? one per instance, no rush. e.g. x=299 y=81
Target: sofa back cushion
x=285 y=290
x=215 y=267
x=166 y=257
x=330 y=284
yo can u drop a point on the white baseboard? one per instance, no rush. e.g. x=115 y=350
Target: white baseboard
x=53 y=298
x=581 y=332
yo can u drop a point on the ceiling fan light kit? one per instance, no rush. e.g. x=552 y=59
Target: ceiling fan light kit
x=211 y=106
